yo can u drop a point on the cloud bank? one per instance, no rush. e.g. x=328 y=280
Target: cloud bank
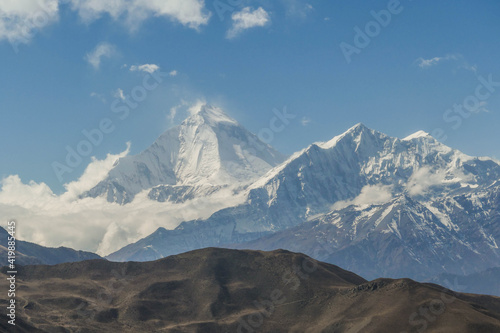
x=94 y=224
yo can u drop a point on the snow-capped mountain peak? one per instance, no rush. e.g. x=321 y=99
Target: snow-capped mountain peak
x=356 y=132
x=207 y=150
x=416 y=135
x=210 y=115
x=363 y=163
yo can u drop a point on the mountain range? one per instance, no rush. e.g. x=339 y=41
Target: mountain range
x=371 y=203
x=221 y=290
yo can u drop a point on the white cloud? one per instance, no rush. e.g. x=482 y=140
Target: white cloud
x=186 y=107
x=483 y=107
x=189 y=107
x=191 y=13
x=370 y=195
x=98 y=96
x=148 y=68
x=95 y=224
x=19 y=19
x=14 y=192
x=426 y=63
x=305 y=121
x=173 y=111
x=472 y=68
x=119 y=94
x=246 y=19
x=105 y=50
x=297 y=8
x=115 y=236
x=423 y=179
x=93 y=174
x=196 y=106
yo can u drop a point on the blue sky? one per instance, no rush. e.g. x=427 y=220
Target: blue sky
x=64 y=63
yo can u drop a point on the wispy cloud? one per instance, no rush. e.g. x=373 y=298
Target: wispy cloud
x=423 y=179
x=426 y=63
x=148 y=68
x=472 y=68
x=98 y=96
x=196 y=106
x=119 y=94
x=102 y=50
x=370 y=195
x=297 y=8
x=483 y=107
x=305 y=121
x=247 y=19
x=186 y=107
x=174 y=110
x=462 y=63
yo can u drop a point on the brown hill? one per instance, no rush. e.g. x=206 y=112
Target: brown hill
x=220 y=290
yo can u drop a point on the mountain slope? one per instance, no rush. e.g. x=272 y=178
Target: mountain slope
x=486 y=282
x=218 y=290
x=400 y=238
x=207 y=151
x=33 y=254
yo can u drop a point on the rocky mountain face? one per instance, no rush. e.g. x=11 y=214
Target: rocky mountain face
x=377 y=205
x=206 y=152
x=400 y=238
x=220 y=290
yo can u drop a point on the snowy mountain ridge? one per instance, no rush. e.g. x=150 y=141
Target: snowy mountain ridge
x=369 y=199
x=360 y=158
